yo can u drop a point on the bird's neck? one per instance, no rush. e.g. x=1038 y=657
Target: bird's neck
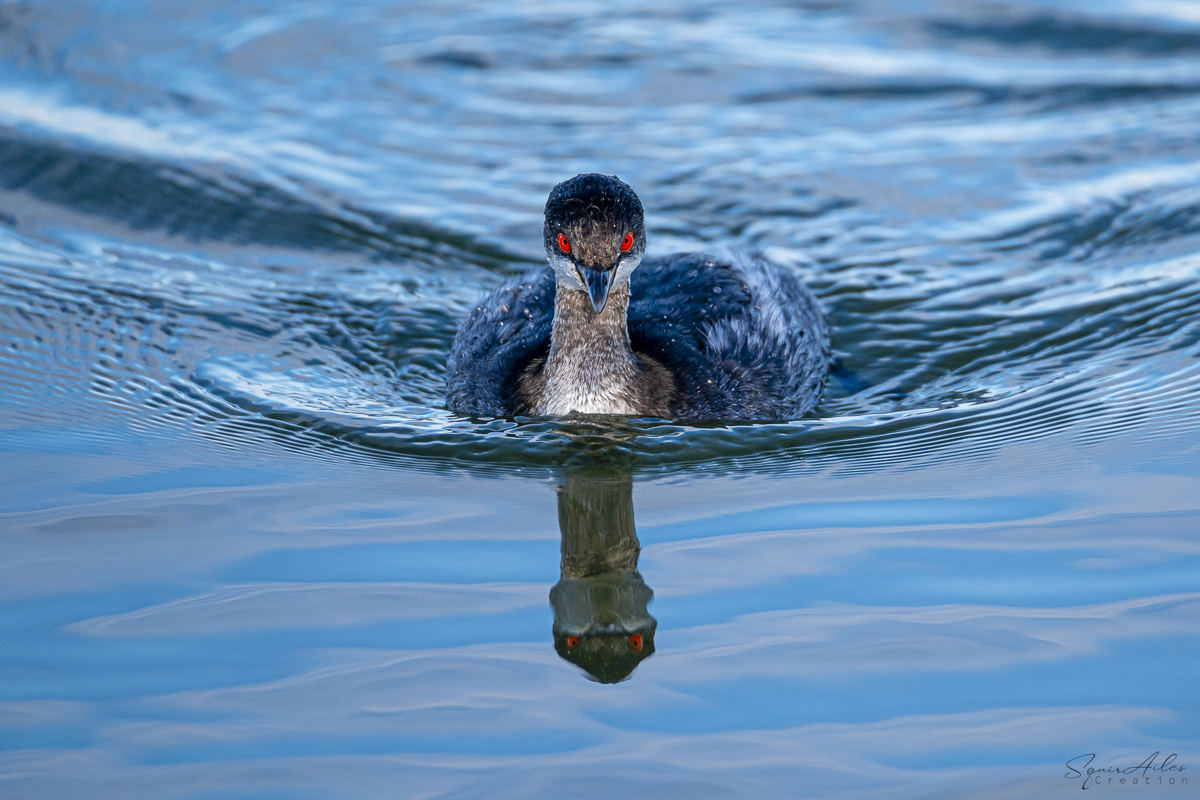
x=591 y=368
x=595 y=516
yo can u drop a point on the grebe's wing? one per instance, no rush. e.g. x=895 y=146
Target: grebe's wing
x=503 y=333
x=672 y=299
x=744 y=338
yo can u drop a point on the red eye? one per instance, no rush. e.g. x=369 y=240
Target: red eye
x=627 y=243
x=563 y=244
x=572 y=642
x=635 y=641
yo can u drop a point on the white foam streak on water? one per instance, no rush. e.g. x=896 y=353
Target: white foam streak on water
x=52 y=116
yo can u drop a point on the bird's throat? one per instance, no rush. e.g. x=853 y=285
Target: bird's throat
x=591 y=368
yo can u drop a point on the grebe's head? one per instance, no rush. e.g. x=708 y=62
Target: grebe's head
x=594 y=234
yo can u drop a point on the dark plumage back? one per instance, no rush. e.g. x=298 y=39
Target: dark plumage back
x=745 y=340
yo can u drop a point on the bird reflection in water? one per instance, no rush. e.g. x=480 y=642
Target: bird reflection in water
x=600 y=618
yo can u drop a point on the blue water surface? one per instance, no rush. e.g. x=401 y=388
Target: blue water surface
x=246 y=552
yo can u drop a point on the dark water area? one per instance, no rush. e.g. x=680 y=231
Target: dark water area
x=245 y=550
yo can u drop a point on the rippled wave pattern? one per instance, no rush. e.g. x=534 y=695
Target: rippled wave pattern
x=994 y=266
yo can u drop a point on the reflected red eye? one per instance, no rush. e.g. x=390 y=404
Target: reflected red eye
x=572 y=642
x=635 y=641
x=627 y=243
x=563 y=244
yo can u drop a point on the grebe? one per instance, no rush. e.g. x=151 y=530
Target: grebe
x=602 y=331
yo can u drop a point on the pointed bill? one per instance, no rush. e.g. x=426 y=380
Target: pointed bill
x=597 y=282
